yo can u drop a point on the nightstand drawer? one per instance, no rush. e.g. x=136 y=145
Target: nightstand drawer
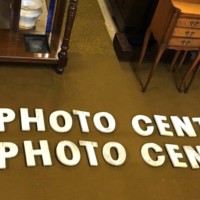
x=188 y=22
x=186 y=32
x=184 y=42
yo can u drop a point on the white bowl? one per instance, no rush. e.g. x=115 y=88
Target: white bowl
x=28 y=18
x=31 y=4
x=30 y=11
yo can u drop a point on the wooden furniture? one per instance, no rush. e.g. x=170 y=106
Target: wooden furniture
x=12 y=43
x=132 y=15
x=132 y=18
x=190 y=74
x=175 y=25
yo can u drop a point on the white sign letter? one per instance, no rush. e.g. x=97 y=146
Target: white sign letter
x=147 y=158
x=30 y=153
x=137 y=128
x=6 y=115
x=193 y=156
x=184 y=125
x=90 y=151
x=174 y=156
x=110 y=121
x=26 y=120
x=67 y=120
x=162 y=126
x=82 y=120
x=74 y=151
x=121 y=153
x=7 y=150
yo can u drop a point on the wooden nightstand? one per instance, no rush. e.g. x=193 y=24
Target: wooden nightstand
x=175 y=25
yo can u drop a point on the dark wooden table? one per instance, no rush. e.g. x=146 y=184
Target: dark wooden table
x=12 y=43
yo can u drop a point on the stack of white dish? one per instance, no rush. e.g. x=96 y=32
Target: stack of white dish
x=30 y=11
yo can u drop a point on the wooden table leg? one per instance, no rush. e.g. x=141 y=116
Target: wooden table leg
x=174 y=60
x=188 y=73
x=181 y=61
x=63 y=54
x=159 y=54
x=145 y=43
x=192 y=78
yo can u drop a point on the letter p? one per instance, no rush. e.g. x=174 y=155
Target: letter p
x=7 y=150
x=6 y=115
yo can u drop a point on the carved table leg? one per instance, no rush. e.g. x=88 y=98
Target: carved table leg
x=192 y=78
x=158 y=56
x=145 y=43
x=188 y=73
x=181 y=61
x=63 y=54
x=174 y=60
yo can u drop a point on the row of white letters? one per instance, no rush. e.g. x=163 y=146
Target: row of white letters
x=63 y=150
x=10 y=150
x=141 y=124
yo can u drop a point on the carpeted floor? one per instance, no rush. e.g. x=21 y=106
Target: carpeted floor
x=95 y=81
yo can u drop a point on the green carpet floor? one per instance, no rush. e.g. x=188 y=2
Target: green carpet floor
x=95 y=81
x=89 y=34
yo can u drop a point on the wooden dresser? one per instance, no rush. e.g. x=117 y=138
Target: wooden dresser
x=186 y=32
x=175 y=25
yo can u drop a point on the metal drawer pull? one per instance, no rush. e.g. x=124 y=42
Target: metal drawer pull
x=193 y=23
x=189 y=33
x=185 y=43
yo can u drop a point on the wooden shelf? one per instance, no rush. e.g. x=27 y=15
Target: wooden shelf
x=13 y=49
x=13 y=45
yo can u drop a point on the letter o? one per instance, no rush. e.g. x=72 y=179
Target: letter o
x=60 y=152
x=54 y=122
x=110 y=119
x=120 y=151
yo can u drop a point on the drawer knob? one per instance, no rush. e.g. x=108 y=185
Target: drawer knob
x=185 y=43
x=194 y=23
x=189 y=33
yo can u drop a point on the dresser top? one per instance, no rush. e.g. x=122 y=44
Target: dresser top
x=187 y=8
